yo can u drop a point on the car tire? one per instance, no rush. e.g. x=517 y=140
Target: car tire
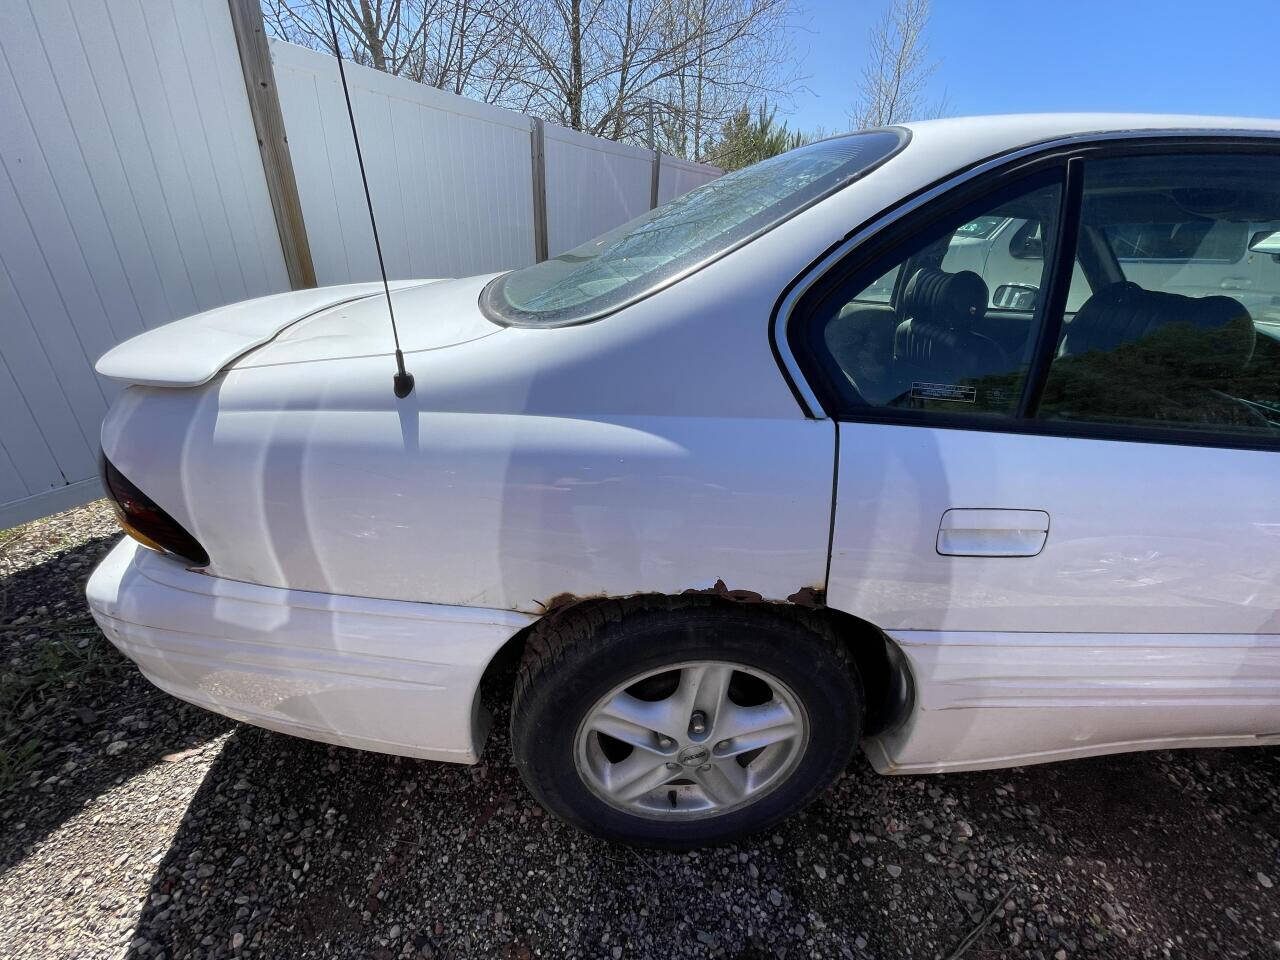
x=774 y=681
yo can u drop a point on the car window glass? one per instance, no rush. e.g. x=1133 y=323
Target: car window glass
x=881 y=289
x=980 y=227
x=1014 y=257
x=630 y=261
x=934 y=342
x=1008 y=253
x=1183 y=241
x=1190 y=337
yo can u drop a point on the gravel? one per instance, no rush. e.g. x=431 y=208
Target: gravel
x=134 y=825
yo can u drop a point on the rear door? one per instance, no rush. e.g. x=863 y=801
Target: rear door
x=1062 y=505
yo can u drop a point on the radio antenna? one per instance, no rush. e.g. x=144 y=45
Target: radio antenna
x=402 y=382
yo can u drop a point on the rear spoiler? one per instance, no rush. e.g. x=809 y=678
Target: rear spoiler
x=191 y=351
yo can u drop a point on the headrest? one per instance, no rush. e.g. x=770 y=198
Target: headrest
x=952 y=299
x=1224 y=332
x=1206 y=337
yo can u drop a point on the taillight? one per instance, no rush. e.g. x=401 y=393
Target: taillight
x=143 y=520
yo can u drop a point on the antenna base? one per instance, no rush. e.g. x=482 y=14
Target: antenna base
x=402 y=384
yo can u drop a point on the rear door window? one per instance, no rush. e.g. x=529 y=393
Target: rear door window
x=1188 y=338
x=1184 y=241
x=1172 y=331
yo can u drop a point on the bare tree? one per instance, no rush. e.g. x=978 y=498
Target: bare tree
x=664 y=73
x=610 y=67
x=894 y=81
x=457 y=45
x=740 y=53
x=381 y=35
x=468 y=51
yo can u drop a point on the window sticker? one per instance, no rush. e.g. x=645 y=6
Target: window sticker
x=944 y=391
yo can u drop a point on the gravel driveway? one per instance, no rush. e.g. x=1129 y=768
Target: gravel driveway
x=134 y=825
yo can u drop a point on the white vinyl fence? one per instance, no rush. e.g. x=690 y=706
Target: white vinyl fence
x=450 y=177
x=677 y=177
x=453 y=180
x=133 y=192
x=593 y=185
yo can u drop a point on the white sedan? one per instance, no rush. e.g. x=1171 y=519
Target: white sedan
x=959 y=441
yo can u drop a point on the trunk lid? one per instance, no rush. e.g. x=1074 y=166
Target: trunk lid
x=327 y=323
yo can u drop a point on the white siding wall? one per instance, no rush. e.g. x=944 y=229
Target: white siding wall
x=131 y=193
x=451 y=178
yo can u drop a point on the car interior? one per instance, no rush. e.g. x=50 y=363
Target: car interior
x=1162 y=335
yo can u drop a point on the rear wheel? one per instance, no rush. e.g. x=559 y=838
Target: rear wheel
x=682 y=721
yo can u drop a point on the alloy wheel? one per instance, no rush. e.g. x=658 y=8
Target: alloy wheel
x=691 y=740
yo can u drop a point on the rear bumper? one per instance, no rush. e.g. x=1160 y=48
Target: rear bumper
x=384 y=675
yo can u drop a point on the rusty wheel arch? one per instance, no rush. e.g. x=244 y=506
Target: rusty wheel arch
x=887 y=680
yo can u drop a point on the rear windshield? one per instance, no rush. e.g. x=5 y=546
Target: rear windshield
x=656 y=249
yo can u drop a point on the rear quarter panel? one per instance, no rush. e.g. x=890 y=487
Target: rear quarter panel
x=656 y=450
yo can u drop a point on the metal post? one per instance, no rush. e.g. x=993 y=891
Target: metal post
x=537 y=145
x=657 y=160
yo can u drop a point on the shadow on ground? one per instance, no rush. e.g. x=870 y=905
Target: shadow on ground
x=76 y=717
x=296 y=849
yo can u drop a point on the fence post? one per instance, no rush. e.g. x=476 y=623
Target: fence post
x=537 y=145
x=273 y=144
x=654 y=176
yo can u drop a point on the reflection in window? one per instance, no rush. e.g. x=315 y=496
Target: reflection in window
x=881 y=290
x=917 y=331
x=980 y=228
x=1182 y=340
x=1190 y=240
x=630 y=261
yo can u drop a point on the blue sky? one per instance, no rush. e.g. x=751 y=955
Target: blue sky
x=1005 y=56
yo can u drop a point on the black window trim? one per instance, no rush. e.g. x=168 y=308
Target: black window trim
x=949 y=194
x=1054 y=303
